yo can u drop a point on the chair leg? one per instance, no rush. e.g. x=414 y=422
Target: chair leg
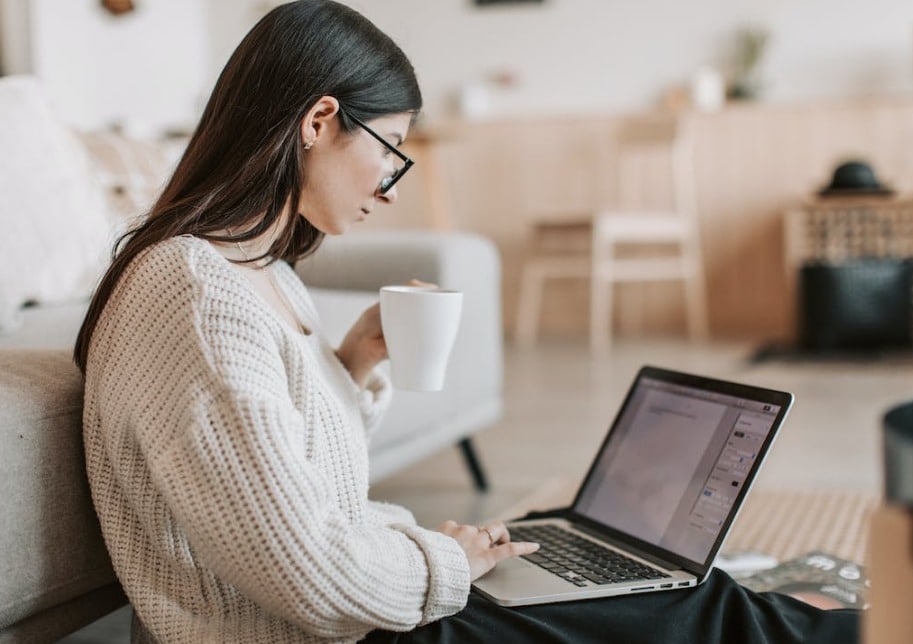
x=526 y=327
x=602 y=293
x=475 y=467
x=600 y=310
x=698 y=328
x=696 y=299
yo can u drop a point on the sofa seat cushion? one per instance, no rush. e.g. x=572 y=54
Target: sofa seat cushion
x=52 y=326
x=51 y=549
x=417 y=423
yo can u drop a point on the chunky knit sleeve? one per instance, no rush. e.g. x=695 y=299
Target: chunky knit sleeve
x=388 y=514
x=247 y=473
x=265 y=522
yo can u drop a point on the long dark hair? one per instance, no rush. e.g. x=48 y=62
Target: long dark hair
x=245 y=160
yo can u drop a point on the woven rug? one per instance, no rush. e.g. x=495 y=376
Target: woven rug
x=782 y=523
x=786 y=523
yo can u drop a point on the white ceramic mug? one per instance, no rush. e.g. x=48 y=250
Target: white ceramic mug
x=420 y=325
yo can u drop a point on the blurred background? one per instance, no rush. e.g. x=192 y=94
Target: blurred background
x=527 y=106
x=523 y=103
x=154 y=66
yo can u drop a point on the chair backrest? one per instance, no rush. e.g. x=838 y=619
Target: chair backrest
x=654 y=167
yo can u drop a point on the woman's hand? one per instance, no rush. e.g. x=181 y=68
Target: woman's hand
x=485 y=546
x=364 y=345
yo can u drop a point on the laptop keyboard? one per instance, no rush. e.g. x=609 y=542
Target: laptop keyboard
x=580 y=560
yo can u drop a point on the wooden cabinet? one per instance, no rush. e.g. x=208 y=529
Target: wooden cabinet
x=752 y=162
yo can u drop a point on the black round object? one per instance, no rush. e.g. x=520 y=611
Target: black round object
x=852 y=178
x=898 y=454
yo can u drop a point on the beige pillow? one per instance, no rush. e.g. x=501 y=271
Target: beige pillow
x=56 y=231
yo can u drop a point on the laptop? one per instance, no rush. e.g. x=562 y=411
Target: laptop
x=659 y=499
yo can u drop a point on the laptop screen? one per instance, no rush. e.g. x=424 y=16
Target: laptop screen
x=673 y=469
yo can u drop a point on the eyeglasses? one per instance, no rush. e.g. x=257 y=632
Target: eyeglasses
x=387 y=182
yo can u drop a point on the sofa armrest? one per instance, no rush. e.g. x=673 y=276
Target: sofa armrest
x=367 y=261
x=57 y=575
x=454 y=260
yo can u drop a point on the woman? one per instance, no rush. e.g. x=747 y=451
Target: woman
x=226 y=441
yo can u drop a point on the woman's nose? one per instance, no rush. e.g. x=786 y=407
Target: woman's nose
x=388 y=197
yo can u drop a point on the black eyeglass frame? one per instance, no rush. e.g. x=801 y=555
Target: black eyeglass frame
x=387 y=182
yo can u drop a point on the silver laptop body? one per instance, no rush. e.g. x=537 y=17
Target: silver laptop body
x=664 y=490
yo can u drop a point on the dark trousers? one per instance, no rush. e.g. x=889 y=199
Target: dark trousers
x=717 y=611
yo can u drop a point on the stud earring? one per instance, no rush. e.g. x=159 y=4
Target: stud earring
x=308 y=145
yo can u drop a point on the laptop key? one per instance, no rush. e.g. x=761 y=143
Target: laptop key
x=579 y=560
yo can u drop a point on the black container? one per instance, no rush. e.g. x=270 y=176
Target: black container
x=857 y=304
x=898 y=455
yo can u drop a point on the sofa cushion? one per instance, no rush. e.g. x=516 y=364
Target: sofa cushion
x=57 y=233
x=51 y=549
x=53 y=326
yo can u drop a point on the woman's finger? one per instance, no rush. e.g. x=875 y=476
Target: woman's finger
x=498 y=532
x=415 y=282
x=515 y=549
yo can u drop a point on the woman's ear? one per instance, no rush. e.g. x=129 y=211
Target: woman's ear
x=315 y=123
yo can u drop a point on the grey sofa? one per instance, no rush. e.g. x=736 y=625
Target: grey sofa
x=55 y=575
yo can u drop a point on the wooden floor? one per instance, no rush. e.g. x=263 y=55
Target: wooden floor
x=559 y=401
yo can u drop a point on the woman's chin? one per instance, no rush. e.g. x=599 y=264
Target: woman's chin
x=331 y=228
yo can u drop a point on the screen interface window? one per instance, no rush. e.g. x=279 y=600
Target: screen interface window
x=675 y=464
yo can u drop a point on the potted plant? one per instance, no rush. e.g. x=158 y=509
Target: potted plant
x=750 y=44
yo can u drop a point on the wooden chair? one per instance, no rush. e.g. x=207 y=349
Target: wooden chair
x=639 y=240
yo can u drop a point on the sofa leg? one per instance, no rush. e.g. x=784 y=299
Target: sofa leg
x=475 y=468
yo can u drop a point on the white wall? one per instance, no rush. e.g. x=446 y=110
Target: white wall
x=569 y=55
x=147 y=70
x=574 y=55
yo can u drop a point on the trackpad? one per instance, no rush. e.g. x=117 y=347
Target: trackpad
x=511 y=569
x=514 y=564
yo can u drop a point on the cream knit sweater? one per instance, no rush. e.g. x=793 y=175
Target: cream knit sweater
x=228 y=460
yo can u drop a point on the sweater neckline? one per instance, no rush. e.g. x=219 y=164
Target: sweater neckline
x=279 y=281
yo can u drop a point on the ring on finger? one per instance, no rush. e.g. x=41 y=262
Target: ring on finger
x=491 y=538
